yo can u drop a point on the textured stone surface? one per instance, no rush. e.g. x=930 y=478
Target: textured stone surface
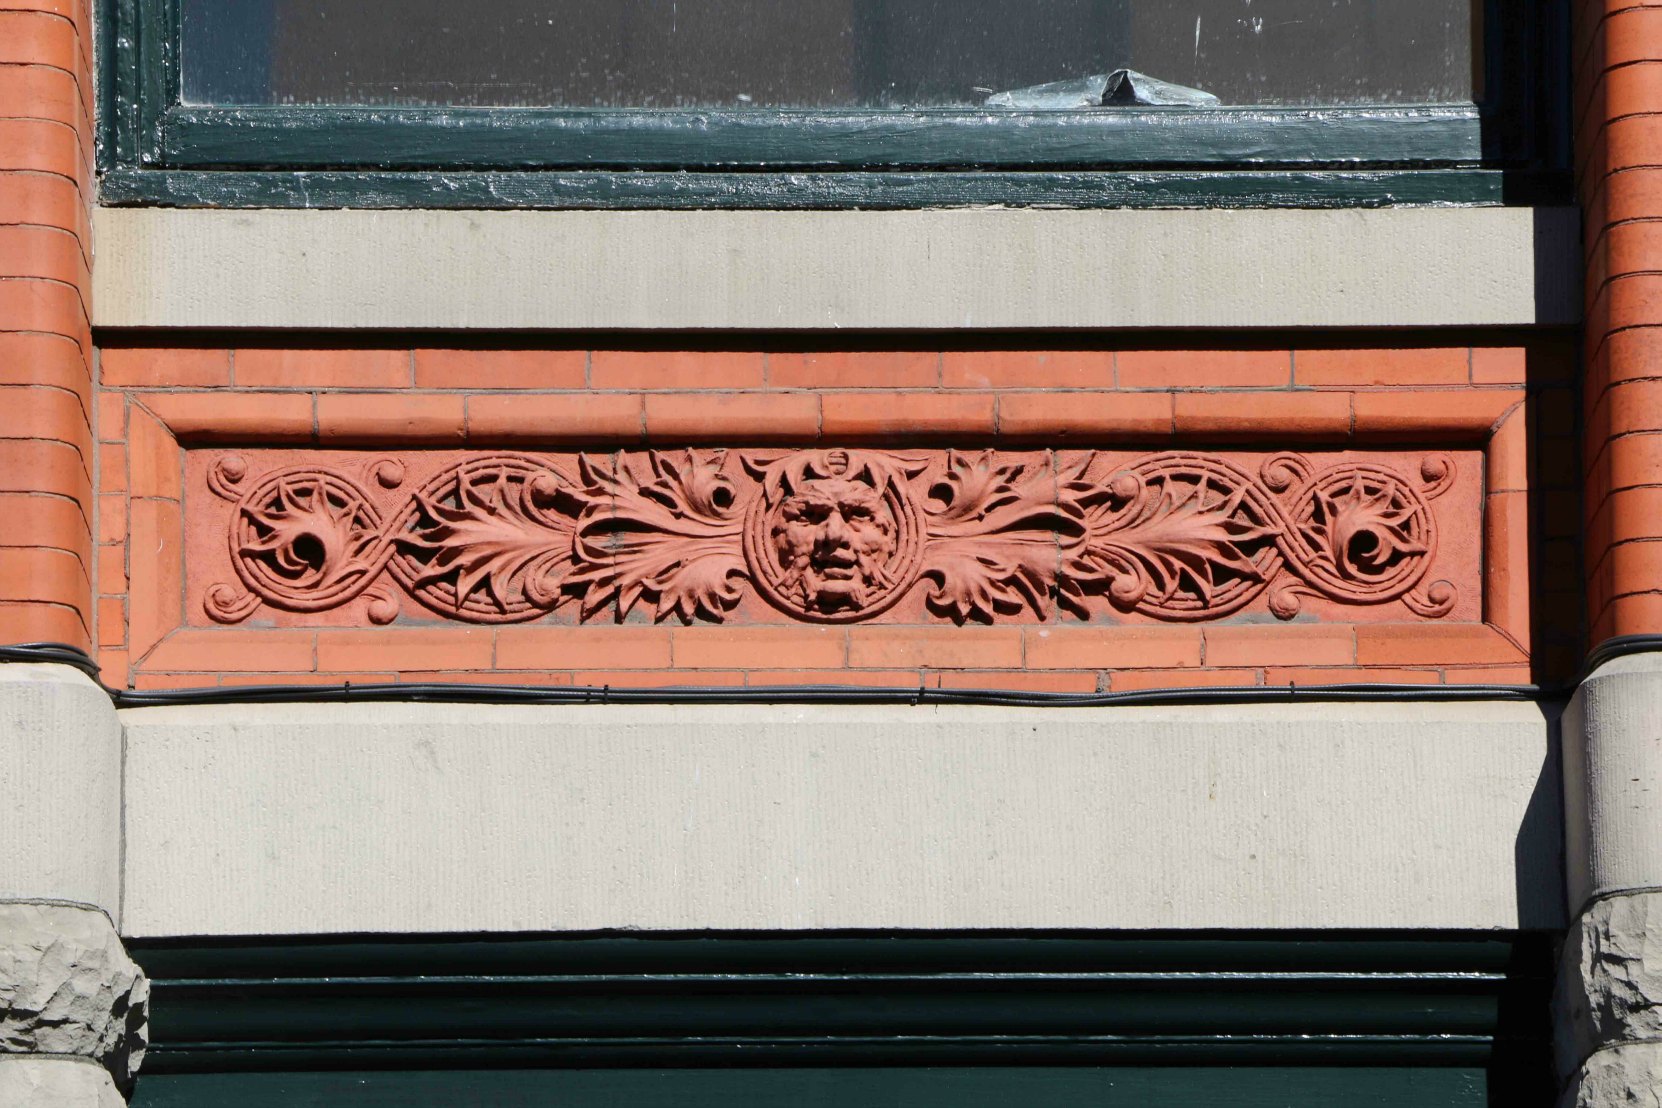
x=311 y=818
x=1610 y=978
x=1612 y=781
x=1629 y=1076
x=713 y=270
x=68 y=987
x=55 y=1083
x=60 y=788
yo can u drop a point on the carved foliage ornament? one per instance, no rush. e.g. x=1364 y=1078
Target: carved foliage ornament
x=834 y=536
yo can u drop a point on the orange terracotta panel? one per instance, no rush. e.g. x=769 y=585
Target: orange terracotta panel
x=855 y=369
x=560 y=648
x=732 y=417
x=752 y=648
x=934 y=647
x=1147 y=679
x=44 y=622
x=1270 y=415
x=693 y=370
x=400 y=420
x=233 y=651
x=164 y=367
x=1113 y=647
x=405 y=649
x=1052 y=417
x=1354 y=675
x=1391 y=366
x=555 y=418
x=1028 y=369
x=1465 y=413
x=1296 y=645
x=501 y=369
x=156 y=564
x=910 y=538
x=200 y=417
x=350 y=368
x=866 y=416
x=154 y=461
x=1051 y=681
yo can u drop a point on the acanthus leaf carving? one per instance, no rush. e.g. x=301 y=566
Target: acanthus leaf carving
x=669 y=535
x=998 y=534
x=838 y=536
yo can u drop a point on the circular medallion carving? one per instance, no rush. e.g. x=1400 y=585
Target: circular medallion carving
x=481 y=541
x=1364 y=534
x=306 y=539
x=1193 y=537
x=835 y=536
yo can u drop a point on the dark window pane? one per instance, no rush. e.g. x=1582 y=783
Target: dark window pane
x=814 y=53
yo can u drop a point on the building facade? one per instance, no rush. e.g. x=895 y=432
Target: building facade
x=524 y=593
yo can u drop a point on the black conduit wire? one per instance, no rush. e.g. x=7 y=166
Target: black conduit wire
x=462 y=693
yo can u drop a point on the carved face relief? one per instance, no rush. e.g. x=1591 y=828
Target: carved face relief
x=834 y=540
x=835 y=536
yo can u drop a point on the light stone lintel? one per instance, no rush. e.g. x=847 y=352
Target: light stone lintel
x=424 y=817
x=964 y=269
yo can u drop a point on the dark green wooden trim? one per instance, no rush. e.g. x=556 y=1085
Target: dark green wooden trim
x=1431 y=1003
x=527 y=138
x=829 y=1088
x=144 y=129
x=830 y=190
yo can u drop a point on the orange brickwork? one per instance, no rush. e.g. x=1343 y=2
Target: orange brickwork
x=1618 y=108
x=46 y=466
x=390 y=417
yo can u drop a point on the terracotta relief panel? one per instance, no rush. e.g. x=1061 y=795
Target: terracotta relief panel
x=831 y=536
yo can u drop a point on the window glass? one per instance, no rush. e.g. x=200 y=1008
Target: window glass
x=826 y=54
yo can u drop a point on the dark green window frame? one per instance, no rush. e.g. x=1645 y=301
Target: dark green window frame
x=154 y=149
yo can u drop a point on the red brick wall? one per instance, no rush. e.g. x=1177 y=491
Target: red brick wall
x=1619 y=148
x=167 y=411
x=45 y=338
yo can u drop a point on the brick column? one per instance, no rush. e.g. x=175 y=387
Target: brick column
x=72 y=1004
x=1610 y=996
x=46 y=185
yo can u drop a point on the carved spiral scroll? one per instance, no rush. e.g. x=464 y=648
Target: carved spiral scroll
x=836 y=536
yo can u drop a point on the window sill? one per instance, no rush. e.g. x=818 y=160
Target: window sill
x=972 y=269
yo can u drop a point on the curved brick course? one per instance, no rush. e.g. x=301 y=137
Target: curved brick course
x=46 y=455
x=1619 y=128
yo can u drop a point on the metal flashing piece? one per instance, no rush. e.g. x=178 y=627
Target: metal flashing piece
x=1122 y=87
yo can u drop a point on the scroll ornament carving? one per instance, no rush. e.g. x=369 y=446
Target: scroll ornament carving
x=835 y=536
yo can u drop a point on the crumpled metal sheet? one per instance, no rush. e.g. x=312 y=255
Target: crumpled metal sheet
x=1122 y=87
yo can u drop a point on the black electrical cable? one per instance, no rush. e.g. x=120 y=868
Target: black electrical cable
x=461 y=693
x=53 y=653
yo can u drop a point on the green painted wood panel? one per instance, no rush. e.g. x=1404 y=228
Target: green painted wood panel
x=1199 y=1087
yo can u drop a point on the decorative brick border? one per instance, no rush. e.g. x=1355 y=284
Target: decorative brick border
x=1256 y=398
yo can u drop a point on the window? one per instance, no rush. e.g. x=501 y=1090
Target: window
x=830 y=54
x=825 y=102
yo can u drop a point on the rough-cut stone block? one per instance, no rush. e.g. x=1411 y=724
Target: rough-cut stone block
x=27 y=1082
x=1610 y=980
x=67 y=987
x=1629 y=1076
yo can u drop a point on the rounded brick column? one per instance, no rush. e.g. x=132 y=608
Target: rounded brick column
x=72 y=1004
x=1609 y=997
x=46 y=184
